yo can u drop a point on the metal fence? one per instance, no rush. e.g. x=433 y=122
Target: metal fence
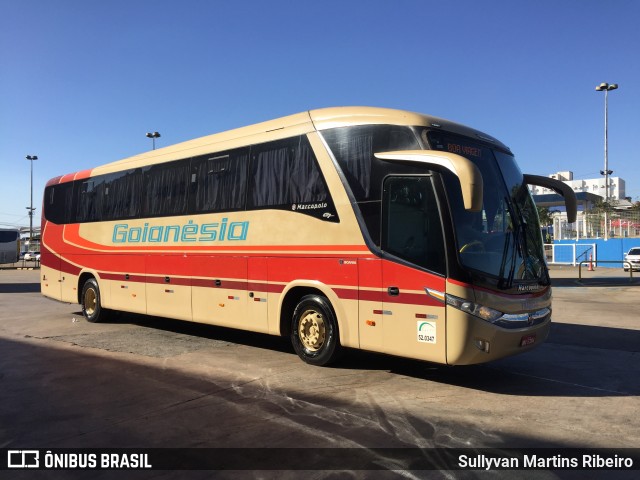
x=620 y=224
x=570 y=253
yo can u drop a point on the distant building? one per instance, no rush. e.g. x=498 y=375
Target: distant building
x=595 y=186
x=589 y=193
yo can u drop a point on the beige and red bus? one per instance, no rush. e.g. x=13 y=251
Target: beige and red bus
x=348 y=227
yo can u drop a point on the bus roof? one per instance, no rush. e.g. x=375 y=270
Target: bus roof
x=300 y=123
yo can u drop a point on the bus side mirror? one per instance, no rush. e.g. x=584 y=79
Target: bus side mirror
x=559 y=187
x=468 y=174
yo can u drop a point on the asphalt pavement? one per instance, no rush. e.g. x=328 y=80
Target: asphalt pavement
x=149 y=382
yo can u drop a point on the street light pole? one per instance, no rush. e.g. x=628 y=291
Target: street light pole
x=31 y=158
x=605 y=87
x=153 y=137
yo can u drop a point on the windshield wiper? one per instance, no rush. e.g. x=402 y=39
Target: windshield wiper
x=513 y=234
x=505 y=250
x=525 y=247
x=514 y=257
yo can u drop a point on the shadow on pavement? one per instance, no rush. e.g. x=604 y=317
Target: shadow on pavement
x=202 y=330
x=19 y=287
x=608 y=338
x=55 y=398
x=530 y=374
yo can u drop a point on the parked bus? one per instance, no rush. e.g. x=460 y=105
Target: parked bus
x=367 y=228
x=9 y=245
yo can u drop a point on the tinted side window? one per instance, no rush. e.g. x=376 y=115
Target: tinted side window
x=57 y=203
x=89 y=196
x=220 y=181
x=121 y=195
x=7 y=236
x=412 y=229
x=283 y=173
x=166 y=189
x=277 y=174
x=354 y=149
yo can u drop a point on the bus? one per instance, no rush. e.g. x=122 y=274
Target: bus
x=9 y=245
x=348 y=227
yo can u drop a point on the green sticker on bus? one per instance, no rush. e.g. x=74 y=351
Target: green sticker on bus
x=426 y=332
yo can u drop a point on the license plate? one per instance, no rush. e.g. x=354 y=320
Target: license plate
x=527 y=340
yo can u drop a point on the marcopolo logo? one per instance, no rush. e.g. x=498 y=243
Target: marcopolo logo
x=308 y=206
x=189 y=232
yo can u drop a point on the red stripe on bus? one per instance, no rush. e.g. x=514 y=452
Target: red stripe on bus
x=120 y=277
x=67 y=178
x=53 y=181
x=371 y=295
x=185 y=282
x=346 y=293
x=414 y=299
x=55 y=262
x=264 y=287
x=227 y=284
x=82 y=174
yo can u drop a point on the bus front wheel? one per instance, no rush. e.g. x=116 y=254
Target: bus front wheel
x=314 y=331
x=91 y=306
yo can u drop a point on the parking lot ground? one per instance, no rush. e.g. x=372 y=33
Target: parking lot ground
x=148 y=382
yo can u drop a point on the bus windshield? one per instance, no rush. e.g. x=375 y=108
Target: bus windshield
x=503 y=240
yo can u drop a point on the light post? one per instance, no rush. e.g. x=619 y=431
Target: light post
x=153 y=137
x=31 y=158
x=605 y=87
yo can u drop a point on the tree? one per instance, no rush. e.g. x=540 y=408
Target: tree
x=545 y=216
x=600 y=206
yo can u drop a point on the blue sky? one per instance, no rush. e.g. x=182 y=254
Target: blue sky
x=82 y=81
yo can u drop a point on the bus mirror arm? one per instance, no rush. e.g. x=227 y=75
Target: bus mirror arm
x=559 y=187
x=467 y=172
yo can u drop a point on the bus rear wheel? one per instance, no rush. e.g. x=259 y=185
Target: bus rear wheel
x=91 y=306
x=314 y=331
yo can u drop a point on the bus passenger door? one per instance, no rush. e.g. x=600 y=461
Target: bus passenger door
x=412 y=238
x=259 y=296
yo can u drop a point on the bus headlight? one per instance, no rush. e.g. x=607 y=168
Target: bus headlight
x=475 y=309
x=485 y=313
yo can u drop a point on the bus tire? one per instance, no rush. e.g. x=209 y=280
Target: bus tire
x=90 y=301
x=314 y=331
